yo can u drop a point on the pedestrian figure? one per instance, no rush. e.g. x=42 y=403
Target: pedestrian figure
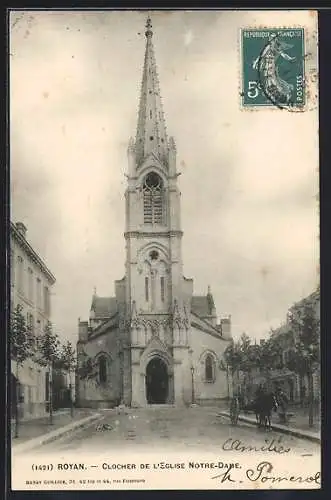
x=258 y=404
x=282 y=401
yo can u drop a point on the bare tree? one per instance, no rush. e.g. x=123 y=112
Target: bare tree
x=48 y=349
x=68 y=361
x=21 y=349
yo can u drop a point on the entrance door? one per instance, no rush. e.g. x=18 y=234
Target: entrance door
x=157 y=385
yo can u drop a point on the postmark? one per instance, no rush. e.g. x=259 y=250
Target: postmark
x=273 y=68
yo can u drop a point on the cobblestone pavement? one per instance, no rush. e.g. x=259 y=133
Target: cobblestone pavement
x=169 y=428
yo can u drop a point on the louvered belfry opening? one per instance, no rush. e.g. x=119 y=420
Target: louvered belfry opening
x=153 y=199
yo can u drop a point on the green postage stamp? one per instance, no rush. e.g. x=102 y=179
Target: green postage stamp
x=273 y=67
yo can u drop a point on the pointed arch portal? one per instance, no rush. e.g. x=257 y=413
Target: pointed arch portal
x=157 y=381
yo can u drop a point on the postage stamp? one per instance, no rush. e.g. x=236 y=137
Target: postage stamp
x=273 y=67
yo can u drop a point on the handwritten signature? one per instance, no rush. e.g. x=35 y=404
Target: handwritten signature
x=271 y=445
x=264 y=473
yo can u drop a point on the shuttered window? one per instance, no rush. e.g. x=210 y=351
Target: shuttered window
x=146 y=290
x=162 y=289
x=153 y=199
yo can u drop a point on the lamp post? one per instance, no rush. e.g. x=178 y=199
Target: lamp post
x=192 y=374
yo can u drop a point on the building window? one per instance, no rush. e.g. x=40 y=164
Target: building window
x=286 y=357
x=146 y=290
x=209 y=369
x=46 y=301
x=30 y=399
x=38 y=292
x=162 y=289
x=102 y=370
x=30 y=284
x=153 y=199
x=30 y=323
x=150 y=114
x=21 y=393
x=20 y=275
x=47 y=386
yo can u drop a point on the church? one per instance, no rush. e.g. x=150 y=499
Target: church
x=154 y=342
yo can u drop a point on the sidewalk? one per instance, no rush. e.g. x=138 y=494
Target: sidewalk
x=292 y=429
x=31 y=429
x=301 y=419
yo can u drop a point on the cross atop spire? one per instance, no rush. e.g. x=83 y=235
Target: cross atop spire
x=151 y=129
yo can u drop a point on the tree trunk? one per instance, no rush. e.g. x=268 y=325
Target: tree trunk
x=301 y=389
x=70 y=395
x=227 y=381
x=17 y=398
x=50 y=390
x=311 y=398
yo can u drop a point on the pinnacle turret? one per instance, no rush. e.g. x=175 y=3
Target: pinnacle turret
x=151 y=130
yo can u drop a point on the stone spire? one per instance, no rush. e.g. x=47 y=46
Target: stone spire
x=151 y=130
x=211 y=303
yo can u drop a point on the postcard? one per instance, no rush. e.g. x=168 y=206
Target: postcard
x=164 y=250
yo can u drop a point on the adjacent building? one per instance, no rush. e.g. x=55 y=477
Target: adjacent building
x=154 y=341
x=294 y=385
x=31 y=287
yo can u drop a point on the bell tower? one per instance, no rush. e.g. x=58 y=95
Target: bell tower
x=153 y=232
x=154 y=269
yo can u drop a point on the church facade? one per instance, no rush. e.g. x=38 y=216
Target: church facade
x=154 y=342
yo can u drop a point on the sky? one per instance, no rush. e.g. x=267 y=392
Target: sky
x=249 y=179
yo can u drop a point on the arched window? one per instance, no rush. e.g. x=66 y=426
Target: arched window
x=209 y=368
x=102 y=362
x=162 y=289
x=153 y=199
x=146 y=290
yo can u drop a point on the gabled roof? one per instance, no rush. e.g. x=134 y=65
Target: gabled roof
x=200 y=305
x=104 y=307
x=105 y=327
x=206 y=327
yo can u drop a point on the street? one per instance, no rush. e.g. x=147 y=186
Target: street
x=196 y=428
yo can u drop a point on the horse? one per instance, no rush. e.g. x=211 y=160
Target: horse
x=266 y=403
